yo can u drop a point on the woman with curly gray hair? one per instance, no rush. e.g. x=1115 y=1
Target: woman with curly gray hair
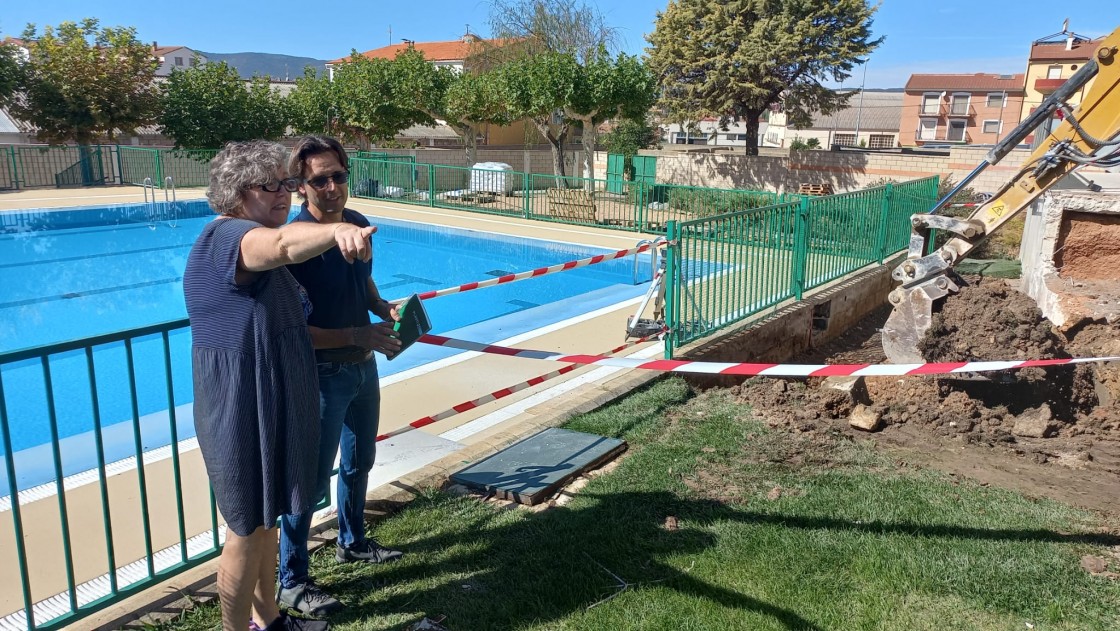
x=256 y=395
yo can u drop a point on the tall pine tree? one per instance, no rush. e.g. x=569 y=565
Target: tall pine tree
x=734 y=58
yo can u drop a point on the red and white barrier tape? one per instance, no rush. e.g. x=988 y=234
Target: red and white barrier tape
x=541 y=271
x=499 y=394
x=764 y=370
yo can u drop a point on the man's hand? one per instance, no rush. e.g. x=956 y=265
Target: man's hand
x=353 y=241
x=378 y=337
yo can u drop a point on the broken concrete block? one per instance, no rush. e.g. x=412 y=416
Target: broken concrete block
x=1038 y=425
x=854 y=387
x=865 y=418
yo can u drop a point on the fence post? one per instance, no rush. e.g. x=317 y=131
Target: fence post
x=159 y=167
x=800 y=248
x=15 y=169
x=431 y=185
x=525 y=210
x=671 y=282
x=884 y=217
x=120 y=169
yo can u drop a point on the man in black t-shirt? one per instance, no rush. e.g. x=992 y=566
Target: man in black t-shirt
x=342 y=295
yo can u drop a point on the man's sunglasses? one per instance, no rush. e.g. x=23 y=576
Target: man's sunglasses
x=320 y=182
x=290 y=184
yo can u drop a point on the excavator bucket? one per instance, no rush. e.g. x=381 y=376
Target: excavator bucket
x=912 y=317
x=906 y=325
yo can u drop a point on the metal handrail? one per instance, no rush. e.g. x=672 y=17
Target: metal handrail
x=146 y=185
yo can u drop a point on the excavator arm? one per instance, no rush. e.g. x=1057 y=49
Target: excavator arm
x=1088 y=135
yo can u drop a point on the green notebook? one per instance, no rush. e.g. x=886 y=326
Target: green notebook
x=414 y=322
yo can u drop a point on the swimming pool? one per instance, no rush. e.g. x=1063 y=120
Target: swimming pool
x=77 y=273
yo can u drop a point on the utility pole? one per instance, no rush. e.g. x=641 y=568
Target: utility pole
x=390 y=34
x=859 y=112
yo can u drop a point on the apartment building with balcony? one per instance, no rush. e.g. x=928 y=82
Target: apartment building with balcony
x=960 y=108
x=1052 y=61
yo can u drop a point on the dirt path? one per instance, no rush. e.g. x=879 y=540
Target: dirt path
x=1051 y=432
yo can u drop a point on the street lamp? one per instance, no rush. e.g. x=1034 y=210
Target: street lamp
x=859 y=112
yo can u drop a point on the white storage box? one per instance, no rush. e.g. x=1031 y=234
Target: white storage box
x=492 y=177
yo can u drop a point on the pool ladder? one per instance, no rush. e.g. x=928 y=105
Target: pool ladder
x=654 y=254
x=154 y=214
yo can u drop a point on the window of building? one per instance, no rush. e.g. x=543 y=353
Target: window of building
x=1054 y=72
x=997 y=99
x=930 y=103
x=178 y=61
x=927 y=129
x=881 y=141
x=844 y=140
x=991 y=127
x=736 y=137
x=956 y=131
x=772 y=138
x=959 y=105
x=194 y=61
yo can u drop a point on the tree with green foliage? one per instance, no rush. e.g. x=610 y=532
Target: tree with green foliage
x=82 y=81
x=206 y=106
x=11 y=73
x=313 y=109
x=734 y=58
x=465 y=100
x=538 y=88
x=542 y=36
x=368 y=98
x=608 y=88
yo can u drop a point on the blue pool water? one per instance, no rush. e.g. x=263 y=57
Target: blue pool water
x=76 y=273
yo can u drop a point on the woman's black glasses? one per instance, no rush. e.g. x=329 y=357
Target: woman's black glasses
x=338 y=177
x=290 y=184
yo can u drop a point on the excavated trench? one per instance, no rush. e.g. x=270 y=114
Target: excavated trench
x=1065 y=414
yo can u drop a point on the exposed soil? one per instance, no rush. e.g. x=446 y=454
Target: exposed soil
x=1046 y=431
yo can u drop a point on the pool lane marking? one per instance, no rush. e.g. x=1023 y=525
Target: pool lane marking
x=69 y=259
x=92 y=292
x=760 y=369
x=500 y=394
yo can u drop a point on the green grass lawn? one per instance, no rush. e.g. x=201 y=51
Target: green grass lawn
x=773 y=531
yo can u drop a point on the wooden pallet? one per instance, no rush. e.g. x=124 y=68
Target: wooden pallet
x=572 y=204
x=815 y=189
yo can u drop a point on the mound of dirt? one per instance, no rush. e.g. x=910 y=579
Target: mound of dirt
x=1048 y=414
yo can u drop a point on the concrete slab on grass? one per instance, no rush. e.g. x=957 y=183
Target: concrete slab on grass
x=529 y=471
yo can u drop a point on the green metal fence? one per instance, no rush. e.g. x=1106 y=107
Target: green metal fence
x=33 y=166
x=725 y=269
x=634 y=206
x=127 y=560
x=185 y=167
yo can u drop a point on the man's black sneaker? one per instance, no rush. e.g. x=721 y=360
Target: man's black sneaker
x=307 y=599
x=369 y=552
x=288 y=623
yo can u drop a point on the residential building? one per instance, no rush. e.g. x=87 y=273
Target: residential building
x=175 y=57
x=960 y=108
x=871 y=120
x=707 y=131
x=1052 y=61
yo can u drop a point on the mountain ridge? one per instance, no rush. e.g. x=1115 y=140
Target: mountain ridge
x=279 y=67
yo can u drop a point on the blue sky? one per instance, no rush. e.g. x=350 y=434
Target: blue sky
x=946 y=36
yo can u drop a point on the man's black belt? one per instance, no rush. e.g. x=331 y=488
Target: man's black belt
x=342 y=356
